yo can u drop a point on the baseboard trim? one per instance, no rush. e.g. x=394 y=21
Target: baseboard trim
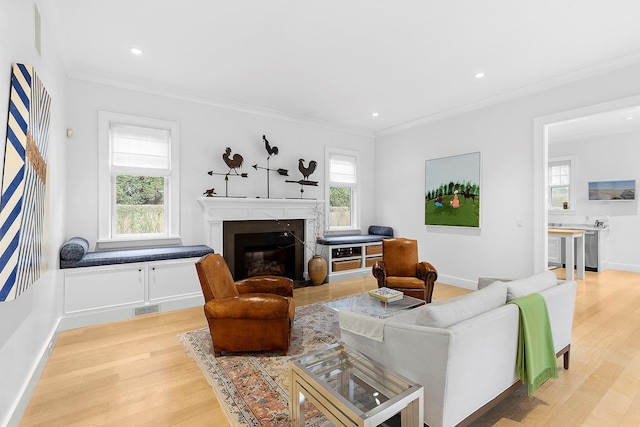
x=34 y=378
x=97 y=317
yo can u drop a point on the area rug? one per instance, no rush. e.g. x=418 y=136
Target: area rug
x=253 y=388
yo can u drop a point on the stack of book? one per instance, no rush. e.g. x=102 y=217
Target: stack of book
x=386 y=294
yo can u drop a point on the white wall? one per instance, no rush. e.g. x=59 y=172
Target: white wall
x=28 y=323
x=205 y=132
x=504 y=134
x=606 y=158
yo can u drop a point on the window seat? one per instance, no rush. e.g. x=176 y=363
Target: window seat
x=376 y=234
x=351 y=257
x=106 y=286
x=74 y=254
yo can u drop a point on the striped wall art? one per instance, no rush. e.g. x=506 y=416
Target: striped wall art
x=24 y=179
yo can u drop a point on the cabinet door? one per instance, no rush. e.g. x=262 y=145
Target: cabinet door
x=173 y=279
x=95 y=288
x=555 y=249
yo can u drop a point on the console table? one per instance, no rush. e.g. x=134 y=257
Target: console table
x=569 y=235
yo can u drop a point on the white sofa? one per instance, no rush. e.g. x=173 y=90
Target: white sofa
x=463 y=350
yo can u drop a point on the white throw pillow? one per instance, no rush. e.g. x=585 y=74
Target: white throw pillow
x=537 y=283
x=462 y=308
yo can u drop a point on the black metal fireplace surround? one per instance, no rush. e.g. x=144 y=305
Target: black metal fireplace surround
x=259 y=247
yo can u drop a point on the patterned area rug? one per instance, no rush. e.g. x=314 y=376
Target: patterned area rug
x=253 y=388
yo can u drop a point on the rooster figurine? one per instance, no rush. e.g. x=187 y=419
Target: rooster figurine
x=272 y=151
x=306 y=171
x=234 y=162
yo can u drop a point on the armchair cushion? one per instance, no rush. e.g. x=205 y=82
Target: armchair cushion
x=462 y=308
x=405 y=282
x=248 y=306
x=266 y=284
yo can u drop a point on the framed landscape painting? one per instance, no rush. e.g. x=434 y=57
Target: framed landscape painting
x=452 y=191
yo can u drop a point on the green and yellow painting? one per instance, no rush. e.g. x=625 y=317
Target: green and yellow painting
x=452 y=191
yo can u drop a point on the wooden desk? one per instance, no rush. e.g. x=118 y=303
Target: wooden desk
x=569 y=236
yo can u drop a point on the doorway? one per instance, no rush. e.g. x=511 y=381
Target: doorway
x=542 y=127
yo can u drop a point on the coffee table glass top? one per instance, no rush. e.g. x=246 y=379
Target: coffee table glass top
x=355 y=378
x=365 y=304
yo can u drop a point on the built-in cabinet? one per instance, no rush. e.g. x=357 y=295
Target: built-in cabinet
x=351 y=261
x=97 y=294
x=555 y=250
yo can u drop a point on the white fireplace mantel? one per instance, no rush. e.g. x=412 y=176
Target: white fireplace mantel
x=216 y=210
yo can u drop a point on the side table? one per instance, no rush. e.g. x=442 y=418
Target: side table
x=352 y=390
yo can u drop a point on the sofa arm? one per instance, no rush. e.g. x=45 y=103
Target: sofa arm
x=266 y=284
x=560 y=301
x=255 y=306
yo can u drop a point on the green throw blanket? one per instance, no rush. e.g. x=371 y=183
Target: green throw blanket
x=536 y=361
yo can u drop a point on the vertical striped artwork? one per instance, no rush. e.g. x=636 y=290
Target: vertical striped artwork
x=24 y=178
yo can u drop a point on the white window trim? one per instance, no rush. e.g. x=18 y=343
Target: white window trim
x=105 y=196
x=355 y=214
x=572 y=185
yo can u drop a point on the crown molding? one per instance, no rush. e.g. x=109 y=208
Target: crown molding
x=214 y=102
x=543 y=85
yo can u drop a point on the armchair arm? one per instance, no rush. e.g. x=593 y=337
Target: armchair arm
x=249 y=306
x=429 y=274
x=266 y=284
x=380 y=273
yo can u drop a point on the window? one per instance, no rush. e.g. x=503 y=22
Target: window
x=138 y=178
x=342 y=189
x=560 y=190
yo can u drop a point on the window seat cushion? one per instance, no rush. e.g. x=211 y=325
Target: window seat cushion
x=125 y=256
x=376 y=234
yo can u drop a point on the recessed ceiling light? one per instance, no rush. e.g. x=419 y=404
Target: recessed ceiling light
x=479 y=75
x=375 y=114
x=629 y=118
x=136 y=51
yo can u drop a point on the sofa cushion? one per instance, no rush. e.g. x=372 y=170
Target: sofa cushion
x=529 y=285
x=484 y=281
x=74 y=249
x=462 y=308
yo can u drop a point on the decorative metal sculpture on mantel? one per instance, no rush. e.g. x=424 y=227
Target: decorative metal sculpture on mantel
x=306 y=171
x=234 y=164
x=272 y=151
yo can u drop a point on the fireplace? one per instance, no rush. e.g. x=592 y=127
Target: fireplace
x=220 y=212
x=256 y=248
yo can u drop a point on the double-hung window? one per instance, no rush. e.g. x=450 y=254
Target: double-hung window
x=560 y=189
x=342 y=189
x=138 y=178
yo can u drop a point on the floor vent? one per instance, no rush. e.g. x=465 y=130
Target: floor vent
x=146 y=309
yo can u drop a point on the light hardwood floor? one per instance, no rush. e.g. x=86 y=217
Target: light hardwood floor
x=135 y=373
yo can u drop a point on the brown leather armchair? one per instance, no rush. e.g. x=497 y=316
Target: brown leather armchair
x=400 y=269
x=254 y=314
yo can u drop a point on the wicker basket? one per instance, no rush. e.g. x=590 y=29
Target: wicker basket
x=374 y=249
x=370 y=261
x=345 y=265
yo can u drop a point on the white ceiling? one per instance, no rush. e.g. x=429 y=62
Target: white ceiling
x=338 y=61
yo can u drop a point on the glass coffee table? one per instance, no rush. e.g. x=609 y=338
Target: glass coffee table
x=364 y=303
x=352 y=390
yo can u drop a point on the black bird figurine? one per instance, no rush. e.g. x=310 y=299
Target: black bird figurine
x=235 y=162
x=306 y=171
x=271 y=151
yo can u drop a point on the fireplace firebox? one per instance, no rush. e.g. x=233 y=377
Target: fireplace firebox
x=257 y=248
